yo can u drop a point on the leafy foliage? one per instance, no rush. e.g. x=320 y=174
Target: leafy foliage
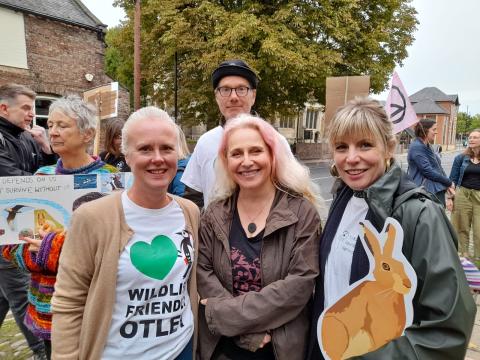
x=292 y=45
x=466 y=123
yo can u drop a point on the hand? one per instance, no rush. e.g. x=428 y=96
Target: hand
x=40 y=136
x=449 y=204
x=34 y=244
x=451 y=190
x=203 y=302
x=266 y=339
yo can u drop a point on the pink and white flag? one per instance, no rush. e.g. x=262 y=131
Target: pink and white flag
x=398 y=106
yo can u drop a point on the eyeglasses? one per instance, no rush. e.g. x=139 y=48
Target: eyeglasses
x=241 y=91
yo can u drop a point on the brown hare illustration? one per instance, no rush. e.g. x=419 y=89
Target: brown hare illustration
x=374 y=312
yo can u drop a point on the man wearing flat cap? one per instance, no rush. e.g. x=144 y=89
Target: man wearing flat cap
x=235 y=87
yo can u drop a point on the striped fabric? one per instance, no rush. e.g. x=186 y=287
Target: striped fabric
x=95 y=167
x=43 y=267
x=472 y=273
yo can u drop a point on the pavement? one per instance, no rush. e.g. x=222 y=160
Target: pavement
x=13 y=345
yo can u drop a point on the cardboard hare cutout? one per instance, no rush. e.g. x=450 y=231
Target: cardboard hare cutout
x=377 y=308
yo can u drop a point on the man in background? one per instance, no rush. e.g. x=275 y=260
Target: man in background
x=23 y=149
x=235 y=87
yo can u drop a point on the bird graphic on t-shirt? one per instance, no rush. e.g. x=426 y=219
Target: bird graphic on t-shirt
x=186 y=245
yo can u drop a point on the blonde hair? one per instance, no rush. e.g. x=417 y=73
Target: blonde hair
x=151 y=113
x=287 y=175
x=183 y=150
x=365 y=117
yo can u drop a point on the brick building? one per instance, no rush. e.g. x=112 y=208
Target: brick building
x=55 y=47
x=432 y=103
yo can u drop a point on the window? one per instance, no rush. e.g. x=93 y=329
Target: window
x=311 y=119
x=13 y=45
x=286 y=122
x=42 y=103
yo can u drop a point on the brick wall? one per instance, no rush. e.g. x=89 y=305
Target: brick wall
x=59 y=55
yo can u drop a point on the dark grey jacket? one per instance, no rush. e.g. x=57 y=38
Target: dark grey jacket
x=444 y=310
x=19 y=153
x=289 y=267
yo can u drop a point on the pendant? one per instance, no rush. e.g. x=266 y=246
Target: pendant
x=252 y=228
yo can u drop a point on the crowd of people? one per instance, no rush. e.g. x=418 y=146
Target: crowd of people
x=221 y=254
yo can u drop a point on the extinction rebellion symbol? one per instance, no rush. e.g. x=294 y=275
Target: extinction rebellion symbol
x=398 y=115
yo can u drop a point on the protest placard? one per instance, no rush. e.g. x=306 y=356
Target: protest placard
x=30 y=203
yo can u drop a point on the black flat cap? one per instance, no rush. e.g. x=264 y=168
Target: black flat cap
x=234 y=68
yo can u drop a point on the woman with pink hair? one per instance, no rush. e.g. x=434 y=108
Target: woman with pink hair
x=258 y=251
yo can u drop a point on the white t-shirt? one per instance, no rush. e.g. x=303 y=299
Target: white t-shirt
x=339 y=262
x=152 y=317
x=200 y=171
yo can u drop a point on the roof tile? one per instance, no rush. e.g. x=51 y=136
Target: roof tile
x=70 y=11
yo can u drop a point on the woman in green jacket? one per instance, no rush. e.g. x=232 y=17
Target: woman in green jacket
x=366 y=304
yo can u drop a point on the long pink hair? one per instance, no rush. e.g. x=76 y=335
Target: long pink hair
x=287 y=173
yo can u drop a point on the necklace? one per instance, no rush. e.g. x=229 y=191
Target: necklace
x=252 y=227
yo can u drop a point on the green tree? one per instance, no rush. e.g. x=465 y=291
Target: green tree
x=475 y=122
x=463 y=123
x=292 y=45
x=118 y=66
x=466 y=123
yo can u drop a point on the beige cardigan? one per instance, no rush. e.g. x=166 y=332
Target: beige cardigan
x=84 y=297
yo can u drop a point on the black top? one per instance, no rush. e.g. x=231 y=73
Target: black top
x=471 y=177
x=117 y=161
x=245 y=257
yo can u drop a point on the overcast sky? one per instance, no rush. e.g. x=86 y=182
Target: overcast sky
x=445 y=53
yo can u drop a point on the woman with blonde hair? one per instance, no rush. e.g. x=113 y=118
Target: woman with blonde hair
x=258 y=249
x=365 y=295
x=465 y=174
x=126 y=281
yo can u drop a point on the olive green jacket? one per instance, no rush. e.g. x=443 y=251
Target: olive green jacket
x=444 y=310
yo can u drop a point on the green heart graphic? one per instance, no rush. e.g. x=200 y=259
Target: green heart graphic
x=156 y=259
